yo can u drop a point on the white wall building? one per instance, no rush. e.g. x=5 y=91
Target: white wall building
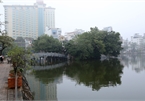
x=136 y=39
x=54 y=32
x=28 y=20
x=50 y=17
x=79 y=31
x=71 y=35
x=108 y=29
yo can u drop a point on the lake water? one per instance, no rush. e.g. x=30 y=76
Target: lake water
x=113 y=80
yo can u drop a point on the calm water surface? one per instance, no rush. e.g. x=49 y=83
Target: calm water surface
x=118 y=80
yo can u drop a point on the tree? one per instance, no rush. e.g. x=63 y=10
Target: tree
x=19 y=56
x=47 y=44
x=86 y=46
x=112 y=44
x=90 y=45
x=80 y=47
x=133 y=47
x=97 y=43
x=5 y=41
x=96 y=74
x=125 y=46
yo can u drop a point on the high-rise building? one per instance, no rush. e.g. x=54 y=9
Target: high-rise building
x=28 y=20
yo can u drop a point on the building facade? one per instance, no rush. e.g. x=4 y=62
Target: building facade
x=28 y=20
x=108 y=29
x=54 y=32
x=71 y=35
x=136 y=44
x=138 y=39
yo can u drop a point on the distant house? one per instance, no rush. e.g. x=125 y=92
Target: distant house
x=108 y=29
x=20 y=42
x=54 y=32
x=23 y=42
x=71 y=35
x=28 y=42
x=137 y=39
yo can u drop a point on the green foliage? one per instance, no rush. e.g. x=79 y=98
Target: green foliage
x=19 y=56
x=49 y=76
x=112 y=44
x=5 y=42
x=47 y=44
x=5 y=52
x=90 y=45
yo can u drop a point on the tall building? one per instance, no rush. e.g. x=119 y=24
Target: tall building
x=28 y=20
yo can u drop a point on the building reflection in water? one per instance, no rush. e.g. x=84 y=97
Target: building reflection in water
x=136 y=62
x=44 y=86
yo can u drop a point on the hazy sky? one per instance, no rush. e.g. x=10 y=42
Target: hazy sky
x=125 y=16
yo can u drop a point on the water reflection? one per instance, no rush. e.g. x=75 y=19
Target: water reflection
x=96 y=74
x=135 y=61
x=43 y=81
x=93 y=74
x=46 y=67
x=43 y=88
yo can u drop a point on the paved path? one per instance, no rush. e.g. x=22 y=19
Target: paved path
x=4 y=72
x=5 y=93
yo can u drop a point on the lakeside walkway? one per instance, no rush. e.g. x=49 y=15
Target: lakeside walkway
x=7 y=94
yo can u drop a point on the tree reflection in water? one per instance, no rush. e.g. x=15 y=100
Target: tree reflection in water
x=49 y=76
x=94 y=74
